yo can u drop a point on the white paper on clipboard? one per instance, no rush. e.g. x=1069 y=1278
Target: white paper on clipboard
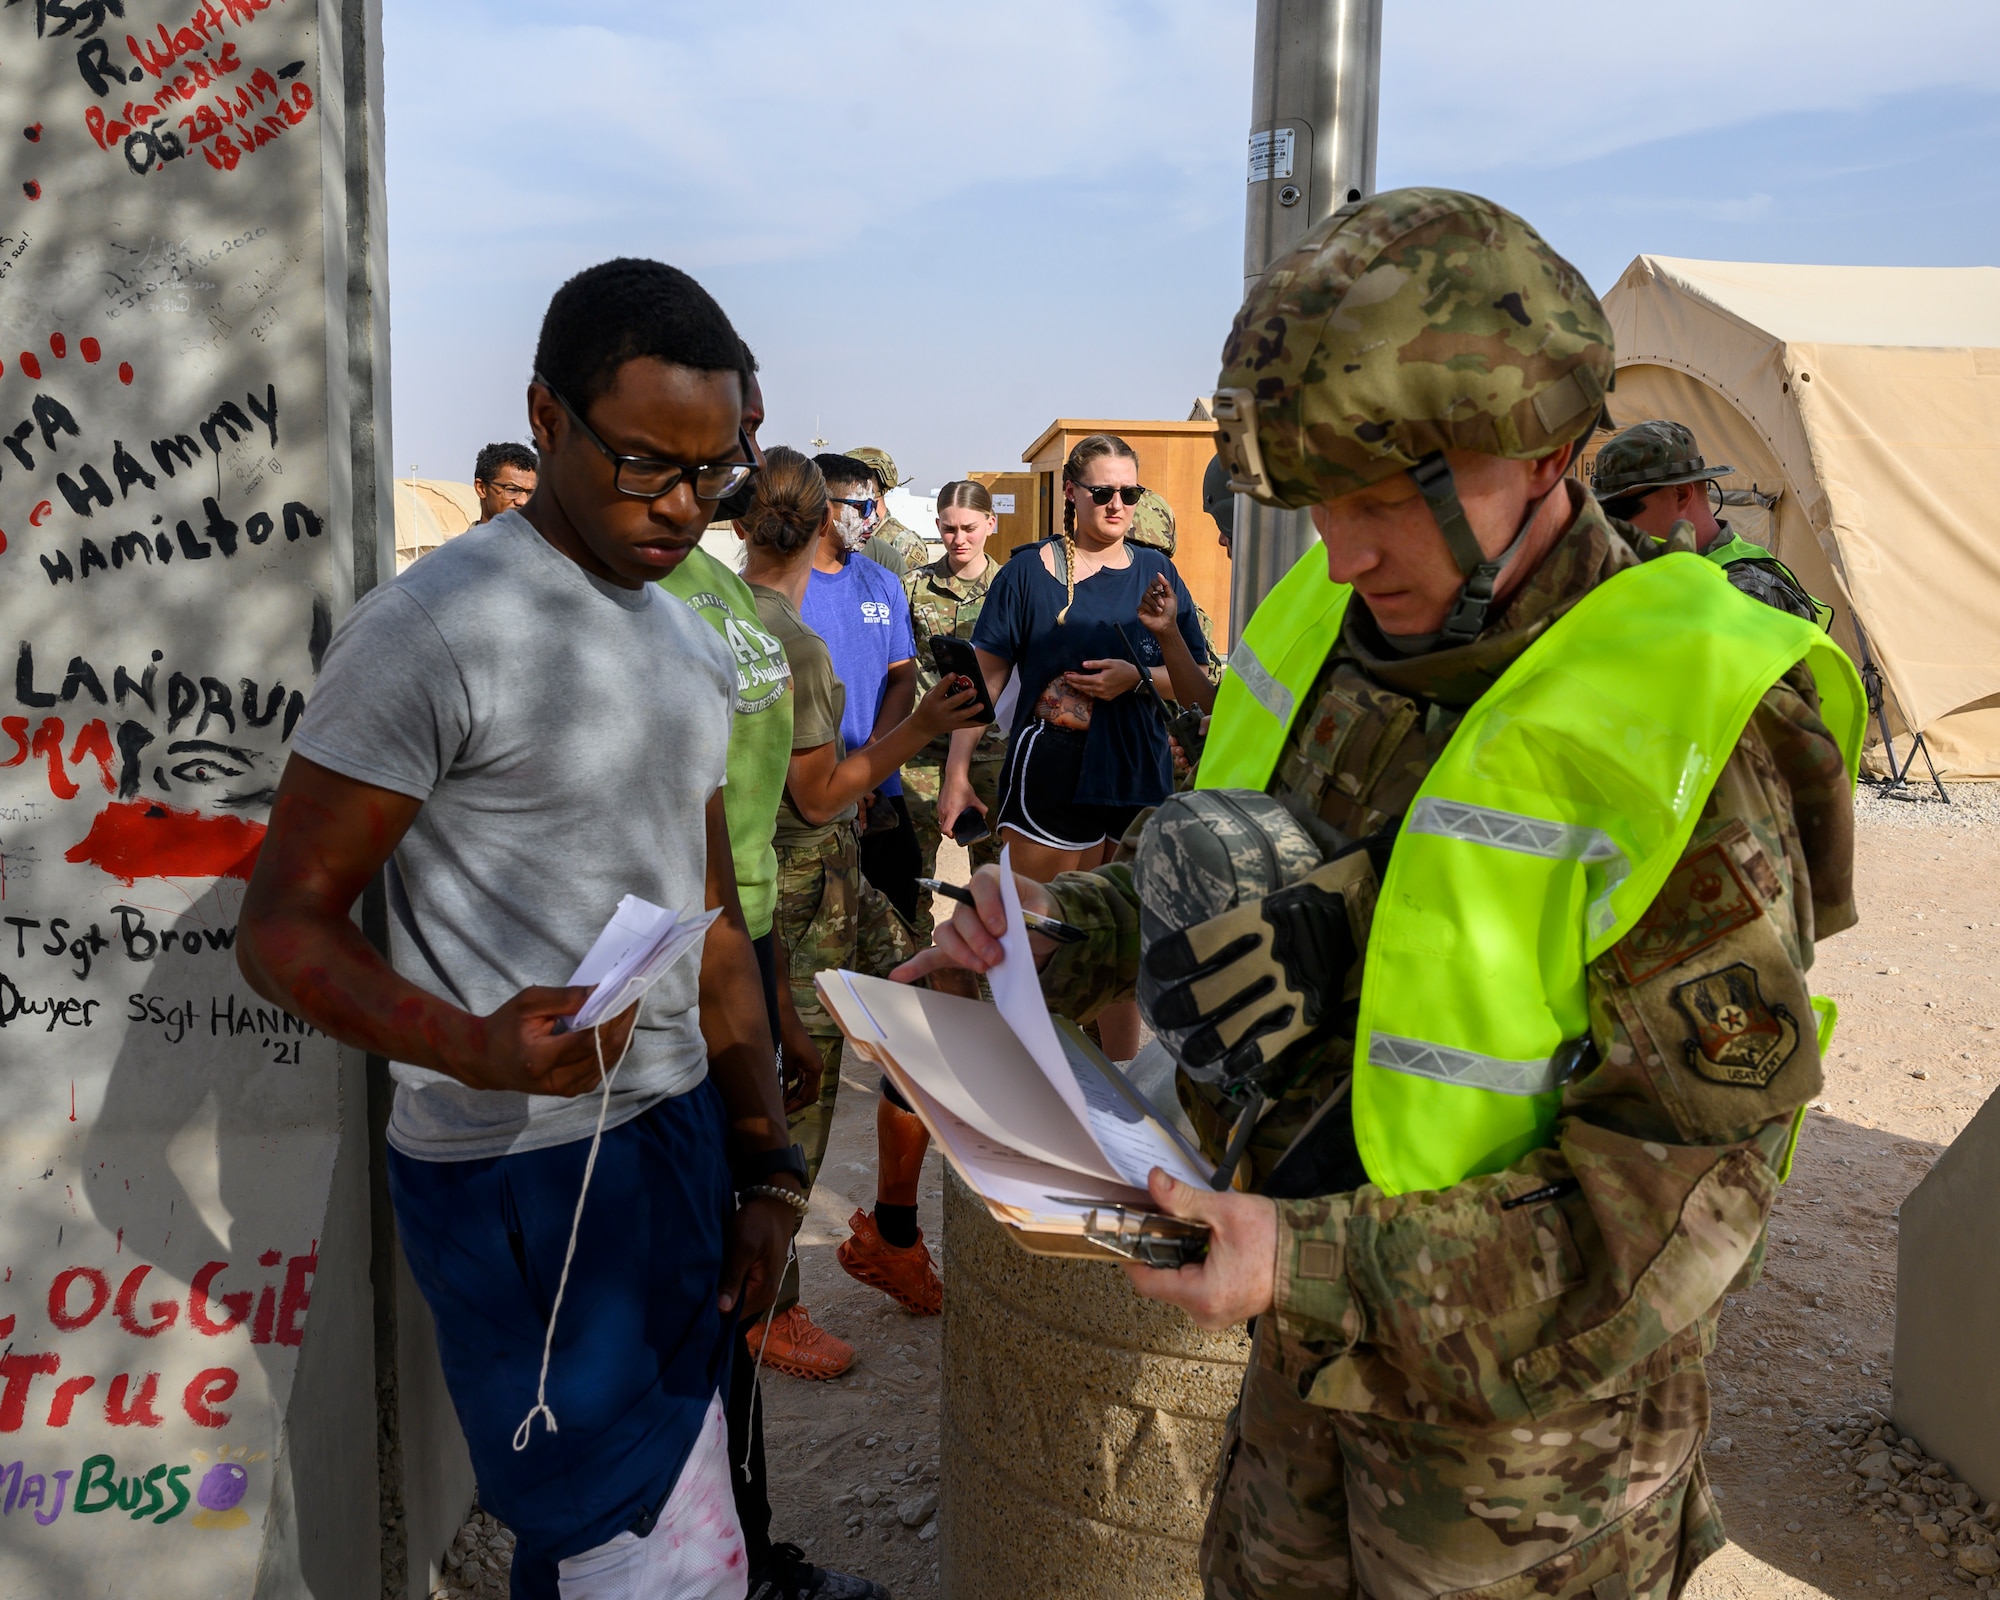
x=1017 y=993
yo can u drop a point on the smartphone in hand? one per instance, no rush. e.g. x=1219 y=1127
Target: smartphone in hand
x=956 y=658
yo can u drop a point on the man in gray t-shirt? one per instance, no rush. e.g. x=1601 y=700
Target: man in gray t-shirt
x=516 y=732
x=514 y=694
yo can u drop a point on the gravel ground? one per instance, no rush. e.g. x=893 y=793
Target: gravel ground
x=1801 y=1375
x=1811 y=1345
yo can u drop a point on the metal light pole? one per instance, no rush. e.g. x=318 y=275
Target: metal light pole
x=1313 y=99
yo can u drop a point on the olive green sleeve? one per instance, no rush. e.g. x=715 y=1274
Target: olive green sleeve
x=1079 y=980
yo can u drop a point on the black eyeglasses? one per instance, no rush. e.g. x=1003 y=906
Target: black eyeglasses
x=1101 y=493
x=644 y=478
x=863 y=508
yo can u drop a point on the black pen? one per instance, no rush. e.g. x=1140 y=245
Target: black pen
x=1048 y=927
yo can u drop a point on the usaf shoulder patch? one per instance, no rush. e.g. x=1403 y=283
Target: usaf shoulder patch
x=1740 y=1038
x=1703 y=900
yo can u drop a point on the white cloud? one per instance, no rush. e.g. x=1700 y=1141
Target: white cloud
x=1470 y=86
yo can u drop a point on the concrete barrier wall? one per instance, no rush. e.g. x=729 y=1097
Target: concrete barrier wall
x=189 y=237
x=1947 y=1388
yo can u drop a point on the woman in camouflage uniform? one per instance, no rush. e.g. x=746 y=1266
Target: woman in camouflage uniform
x=945 y=597
x=1493 y=1386
x=828 y=914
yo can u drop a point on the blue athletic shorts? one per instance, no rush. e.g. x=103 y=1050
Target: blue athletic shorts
x=640 y=1347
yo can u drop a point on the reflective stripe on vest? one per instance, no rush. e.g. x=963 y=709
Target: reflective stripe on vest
x=1546 y=828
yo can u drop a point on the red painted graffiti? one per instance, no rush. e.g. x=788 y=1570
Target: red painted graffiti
x=29 y=364
x=203 y=26
x=223 y=152
x=125 y=1405
x=132 y=839
x=93 y=742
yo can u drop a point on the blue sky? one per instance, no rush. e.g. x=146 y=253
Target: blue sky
x=942 y=226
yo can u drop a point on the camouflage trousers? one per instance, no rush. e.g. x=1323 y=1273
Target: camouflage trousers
x=1602 y=1501
x=923 y=781
x=828 y=915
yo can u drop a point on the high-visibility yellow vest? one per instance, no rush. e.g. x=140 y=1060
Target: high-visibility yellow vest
x=1544 y=831
x=1735 y=548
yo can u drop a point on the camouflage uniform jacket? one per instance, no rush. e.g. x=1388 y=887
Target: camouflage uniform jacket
x=942 y=603
x=1454 y=1307
x=896 y=547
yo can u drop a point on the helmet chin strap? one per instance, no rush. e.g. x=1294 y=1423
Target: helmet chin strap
x=1432 y=476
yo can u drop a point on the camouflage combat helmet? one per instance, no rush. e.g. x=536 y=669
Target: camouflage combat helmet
x=1650 y=455
x=1153 y=524
x=878 y=462
x=1405 y=325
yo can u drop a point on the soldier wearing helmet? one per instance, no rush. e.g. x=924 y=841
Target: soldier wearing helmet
x=890 y=543
x=1480 y=944
x=1653 y=476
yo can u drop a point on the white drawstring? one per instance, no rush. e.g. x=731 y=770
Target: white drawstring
x=522 y=1433
x=757 y=1394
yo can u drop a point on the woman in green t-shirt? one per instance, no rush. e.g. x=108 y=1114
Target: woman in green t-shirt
x=828 y=914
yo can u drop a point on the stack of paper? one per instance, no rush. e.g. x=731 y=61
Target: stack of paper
x=638 y=946
x=1037 y=1122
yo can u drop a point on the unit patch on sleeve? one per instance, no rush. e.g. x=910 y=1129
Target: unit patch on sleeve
x=1704 y=899
x=1739 y=1037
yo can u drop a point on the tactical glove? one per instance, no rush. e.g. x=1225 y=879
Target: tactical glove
x=1261 y=977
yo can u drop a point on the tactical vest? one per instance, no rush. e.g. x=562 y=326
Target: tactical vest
x=1547 y=827
x=1732 y=548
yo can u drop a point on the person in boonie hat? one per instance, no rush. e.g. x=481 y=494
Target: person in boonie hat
x=1652 y=475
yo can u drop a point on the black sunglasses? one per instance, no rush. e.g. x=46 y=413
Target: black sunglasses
x=644 y=478
x=1101 y=493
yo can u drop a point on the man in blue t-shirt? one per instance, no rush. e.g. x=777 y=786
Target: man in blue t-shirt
x=858 y=607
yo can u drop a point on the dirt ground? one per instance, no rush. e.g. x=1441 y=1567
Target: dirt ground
x=1917 y=1053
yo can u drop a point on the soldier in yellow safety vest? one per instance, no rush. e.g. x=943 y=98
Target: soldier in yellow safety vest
x=1653 y=476
x=1480 y=944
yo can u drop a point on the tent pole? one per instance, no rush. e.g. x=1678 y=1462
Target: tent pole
x=1873 y=677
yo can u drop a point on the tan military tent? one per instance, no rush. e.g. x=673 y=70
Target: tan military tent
x=1868 y=400
x=428 y=512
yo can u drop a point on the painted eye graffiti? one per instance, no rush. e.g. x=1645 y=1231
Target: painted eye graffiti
x=208 y=762
x=205 y=769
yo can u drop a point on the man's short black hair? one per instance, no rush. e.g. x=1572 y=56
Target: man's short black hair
x=845 y=469
x=504 y=454
x=621 y=310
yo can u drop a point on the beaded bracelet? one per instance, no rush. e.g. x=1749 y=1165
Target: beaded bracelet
x=770 y=1191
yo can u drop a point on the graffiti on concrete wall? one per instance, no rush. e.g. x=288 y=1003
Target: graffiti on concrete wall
x=168 y=520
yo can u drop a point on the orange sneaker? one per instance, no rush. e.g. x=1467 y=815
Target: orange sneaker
x=907 y=1277
x=799 y=1347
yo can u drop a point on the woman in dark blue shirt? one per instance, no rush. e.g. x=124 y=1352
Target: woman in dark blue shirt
x=1087 y=749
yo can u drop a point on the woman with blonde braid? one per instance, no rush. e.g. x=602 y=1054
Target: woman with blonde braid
x=1086 y=753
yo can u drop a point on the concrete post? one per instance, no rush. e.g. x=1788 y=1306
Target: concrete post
x=193 y=402
x=1947 y=1395
x=1081 y=1425
x=1313 y=99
